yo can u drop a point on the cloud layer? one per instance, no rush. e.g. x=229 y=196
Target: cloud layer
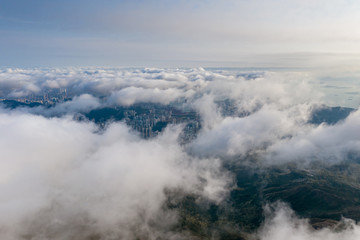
x=242 y=112
x=63 y=179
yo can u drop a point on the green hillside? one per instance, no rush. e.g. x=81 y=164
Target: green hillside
x=321 y=193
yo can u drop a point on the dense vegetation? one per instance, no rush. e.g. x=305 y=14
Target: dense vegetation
x=322 y=193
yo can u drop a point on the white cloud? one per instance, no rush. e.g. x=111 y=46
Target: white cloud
x=281 y=223
x=131 y=95
x=278 y=106
x=241 y=136
x=113 y=181
x=324 y=143
x=57 y=173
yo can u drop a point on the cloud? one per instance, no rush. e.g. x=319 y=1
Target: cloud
x=100 y=82
x=79 y=104
x=268 y=111
x=131 y=95
x=242 y=113
x=235 y=136
x=263 y=111
x=63 y=179
x=332 y=143
x=282 y=223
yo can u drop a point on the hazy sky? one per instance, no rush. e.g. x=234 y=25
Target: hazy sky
x=279 y=33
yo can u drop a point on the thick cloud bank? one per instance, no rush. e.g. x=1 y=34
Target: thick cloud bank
x=62 y=180
x=65 y=179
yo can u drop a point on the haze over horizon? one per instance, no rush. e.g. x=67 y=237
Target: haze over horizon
x=163 y=33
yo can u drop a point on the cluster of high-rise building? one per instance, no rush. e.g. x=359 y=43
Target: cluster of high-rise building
x=151 y=121
x=148 y=119
x=46 y=97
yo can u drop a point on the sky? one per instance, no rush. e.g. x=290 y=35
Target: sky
x=210 y=33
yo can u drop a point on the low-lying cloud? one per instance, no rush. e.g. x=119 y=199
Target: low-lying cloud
x=65 y=179
x=61 y=179
x=332 y=143
x=281 y=223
